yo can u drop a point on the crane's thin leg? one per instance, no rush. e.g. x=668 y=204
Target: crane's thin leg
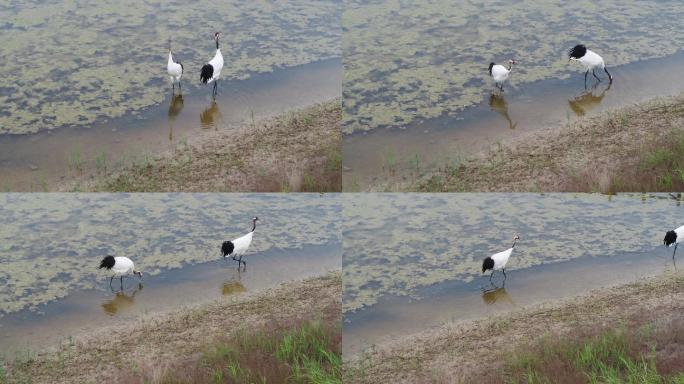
x=179 y=87
x=122 y=283
x=110 y=282
x=490 y=276
x=173 y=88
x=610 y=77
x=215 y=87
x=585 y=78
x=673 y=253
x=593 y=72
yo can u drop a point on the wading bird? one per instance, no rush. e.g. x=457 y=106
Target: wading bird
x=239 y=246
x=498 y=261
x=590 y=60
x=674 y=237
x=212 y=70
x=500 y=73
x=175 y=71
x=120 y=267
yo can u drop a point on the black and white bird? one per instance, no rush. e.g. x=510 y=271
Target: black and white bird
x=499 y=73
x=239 y=246
x=175 y=71
x=590 y=60
x=498 y=261
x=119 y=266
x=674 y=237
x=212 y=70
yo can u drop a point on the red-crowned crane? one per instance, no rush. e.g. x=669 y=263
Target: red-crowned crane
x=590 y=60
x=212 y=70
x=239 y=246
x=120 y=266
x=499 y=73
x=498 y=261
x=175 y=71
x=674 y=237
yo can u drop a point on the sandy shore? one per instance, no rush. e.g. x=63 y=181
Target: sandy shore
x=297 y=151
x=636 y=148
x=470 y=351
x=157 y=343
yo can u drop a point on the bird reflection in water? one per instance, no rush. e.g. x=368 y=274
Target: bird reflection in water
x=233 y=286
x=588 y=100
x=210 y=116
x=121 y=301
x=175 y=108
x=496 y=295
x=498 y=104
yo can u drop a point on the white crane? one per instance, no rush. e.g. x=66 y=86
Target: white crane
x=175 y=71
x=212 y=70
x=500 y=73
x=239 y=246
x=120 y=267
x=674 y=237
x=499 y=260
x=590 y=60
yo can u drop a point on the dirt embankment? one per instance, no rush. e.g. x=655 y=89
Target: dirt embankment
x=637 y=148
x=297 y=151
x=474 y=351
x=158 y=344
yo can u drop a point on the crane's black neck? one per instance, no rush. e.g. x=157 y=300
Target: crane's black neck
x=514 y=242
x=253 y=225
x=510 y=65
x=217 y=45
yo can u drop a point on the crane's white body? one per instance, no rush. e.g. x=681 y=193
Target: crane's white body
x=175 y=70
x=501 y=259
x=500 y=73
x=591 y=60
x=123 y=266
x=217 y=63
x=242 y=244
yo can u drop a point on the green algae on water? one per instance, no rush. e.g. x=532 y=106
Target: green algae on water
x=397 y=243
x=406 y=61
x=72 y=62
x=51 y=244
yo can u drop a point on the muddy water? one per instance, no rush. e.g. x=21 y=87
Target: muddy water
x=87 y=310
x=412 y=262
x=40 y=161
x=386 y=158
x=396 y=317
x=51 y=245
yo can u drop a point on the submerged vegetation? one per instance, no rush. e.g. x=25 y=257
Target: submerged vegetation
x=410 y=61
x=297 y=151
x=78 y=62
x=636 y=148
x=71 y=232
x=386 y=251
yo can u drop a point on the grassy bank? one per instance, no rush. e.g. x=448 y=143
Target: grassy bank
x=635 y=330
x=291 y=333
x=637 y=148
x=653 y=353
x=298 y=151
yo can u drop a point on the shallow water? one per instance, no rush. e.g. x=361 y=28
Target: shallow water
x=84 y=311
x=408 y=61
x=40 y=161
x=75 y=63
x=402 y=248
x=385 y=158
x=51 y=244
